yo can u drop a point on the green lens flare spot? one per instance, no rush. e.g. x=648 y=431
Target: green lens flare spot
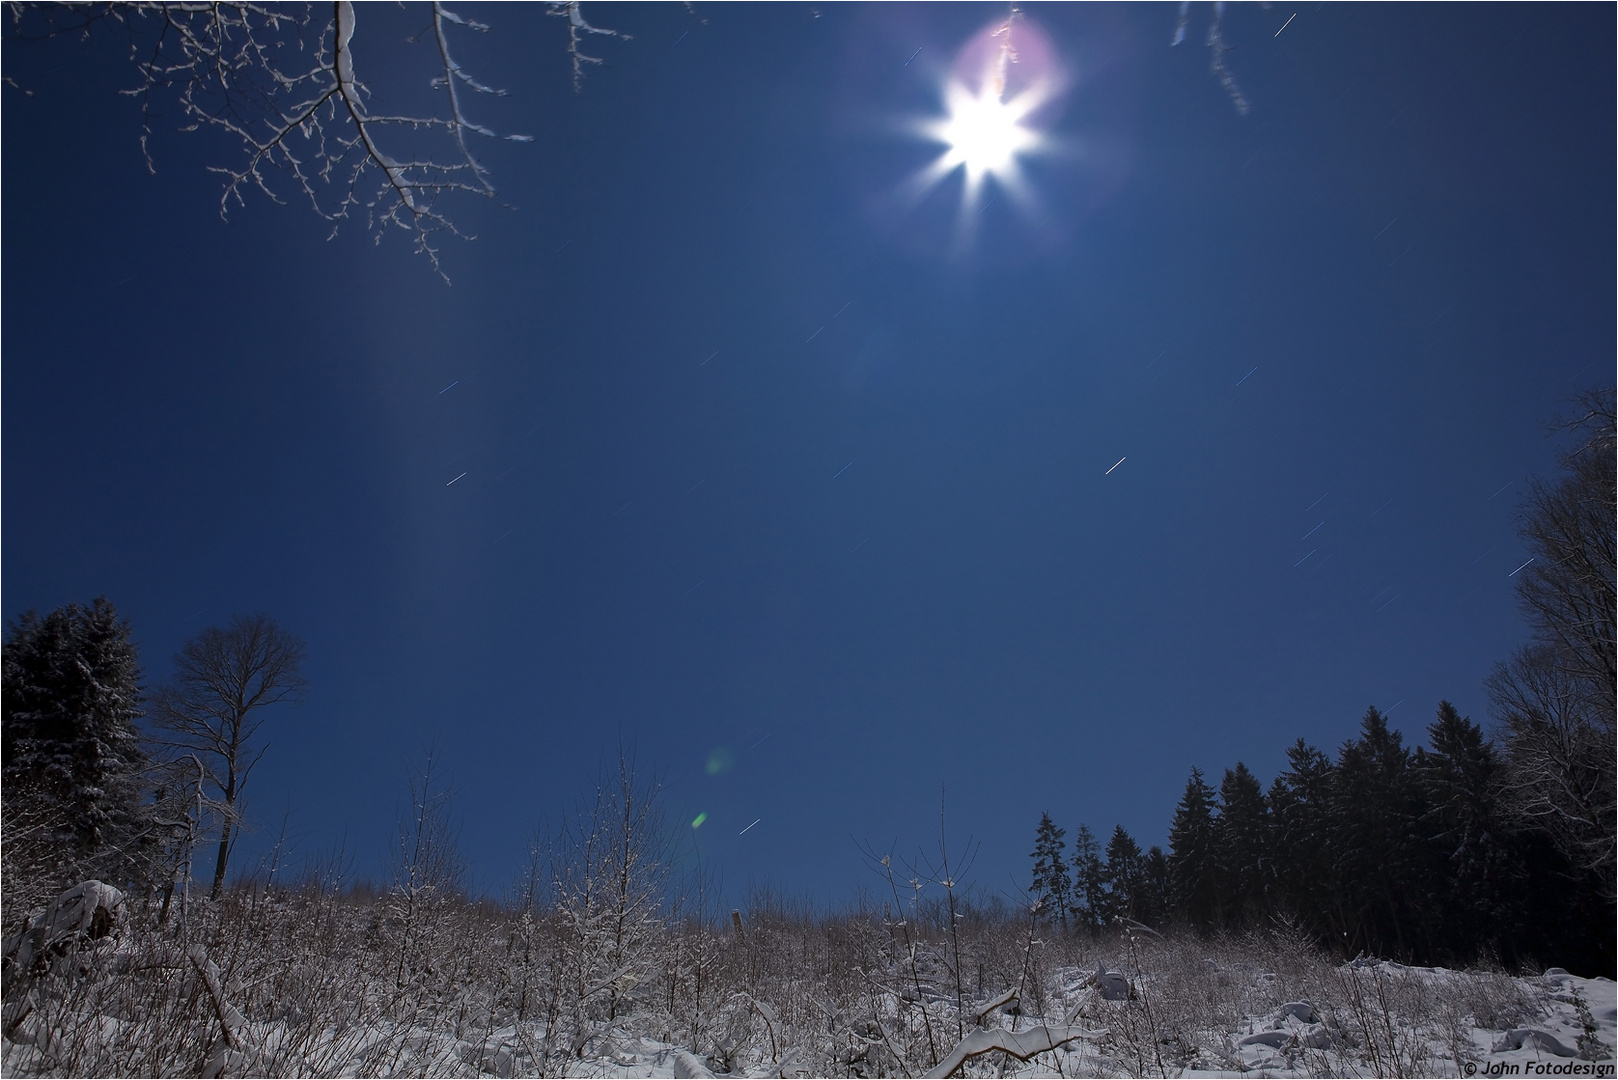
x=698 y=820
x=721 y=761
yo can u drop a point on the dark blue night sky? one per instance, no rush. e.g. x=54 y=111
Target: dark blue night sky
x=763 y=467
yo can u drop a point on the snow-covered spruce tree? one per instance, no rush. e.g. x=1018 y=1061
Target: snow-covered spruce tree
x=1051 y=885
x=72 y=753
x=1241 y=836
x=1478 y=875
x=1155 y=904
x=1301 y=801
x=1089 y=907
x=1191 y=860
x=1377 y=841
x=1125 y=876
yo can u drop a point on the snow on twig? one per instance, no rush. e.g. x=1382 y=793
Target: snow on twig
x=577 y=26
x=286 y=86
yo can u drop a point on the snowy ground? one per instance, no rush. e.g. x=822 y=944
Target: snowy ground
x=1285 y=1043
x=1300 y=1038
x=1296 y=1040
x=321 y=984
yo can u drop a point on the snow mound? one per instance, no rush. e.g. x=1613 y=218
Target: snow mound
x=1532 y=1039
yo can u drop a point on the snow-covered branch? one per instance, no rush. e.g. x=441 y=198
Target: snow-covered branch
x=1216 y=45
x=284 y=83
x=577 y=27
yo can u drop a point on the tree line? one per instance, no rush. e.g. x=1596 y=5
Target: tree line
x=1383 y=850
x=1468 y=847
x=87 y=793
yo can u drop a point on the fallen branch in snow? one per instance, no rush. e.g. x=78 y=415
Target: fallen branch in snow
x=981 y=1015
x=769 y=1019
x=234 y=1052
x=1021 y=1046
x=229 y=1019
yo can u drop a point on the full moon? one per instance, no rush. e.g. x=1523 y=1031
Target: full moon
x=995 y=109
x=982 y=132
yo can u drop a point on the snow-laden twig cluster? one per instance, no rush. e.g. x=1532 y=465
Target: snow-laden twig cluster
x=577 y=28
x=284 y=84
x=313 y=122
x=1218 y=48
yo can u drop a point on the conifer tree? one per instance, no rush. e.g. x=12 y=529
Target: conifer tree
x=1089 y=879
x=72 y=753
x=1416 y=854
x=1301 y=803
x=1376 y=839
x=1191 y=864
x=1155 y=902
x=1475 y=879
x=1125 y=876
x=1051 y=883
x=1240 y=840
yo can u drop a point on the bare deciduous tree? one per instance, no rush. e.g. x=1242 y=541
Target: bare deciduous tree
x=609 y=881
x=224 y=681
x=428 y=871
x=1568 y=591
x=1559 y=772
x=1555 y=698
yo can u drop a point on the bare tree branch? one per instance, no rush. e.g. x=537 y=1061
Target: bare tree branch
x=576 y=27
x=1555 y=700
x=1218 y=49
x=284 y=85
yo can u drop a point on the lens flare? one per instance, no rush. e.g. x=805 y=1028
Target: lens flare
x=982 y=132
x=993 y=106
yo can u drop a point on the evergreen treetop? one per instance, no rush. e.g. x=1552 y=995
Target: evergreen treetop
x=72 y=753
x=1191 y=855
x=1051 y=883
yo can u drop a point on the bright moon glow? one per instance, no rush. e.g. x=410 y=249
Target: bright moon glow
x=983 y=135
x=982 y=132
x=993 y=118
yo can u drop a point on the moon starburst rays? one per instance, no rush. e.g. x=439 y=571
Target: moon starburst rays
x=983 y=135
x=982 y=132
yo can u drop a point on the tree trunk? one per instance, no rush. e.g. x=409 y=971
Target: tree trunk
x=219 y=867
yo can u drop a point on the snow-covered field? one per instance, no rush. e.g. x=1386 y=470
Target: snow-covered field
x=310 y=983
x=1296 y=1039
